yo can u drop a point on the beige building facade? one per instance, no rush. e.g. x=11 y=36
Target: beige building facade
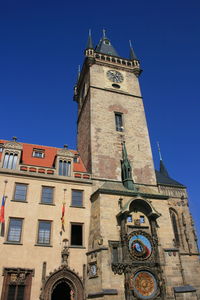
x=99 y=222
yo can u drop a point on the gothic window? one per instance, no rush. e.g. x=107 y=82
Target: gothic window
x=20 y=192
x=118 y=122
x=47 y=194
x=14 y=230
x=77 y=198
x=16 y=284
x=76 y=234
x=64 y=168
x=44 y=232
x=174 y=220
x=10 y=160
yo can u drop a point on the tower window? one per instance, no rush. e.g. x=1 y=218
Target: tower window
x=76 y=234
x=142 y=219
x=64 y=168
x=175 y=227
x=129 y=219
x=119 y=122
x=10 y=161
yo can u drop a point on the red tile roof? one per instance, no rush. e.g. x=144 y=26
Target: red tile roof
x=49 y=156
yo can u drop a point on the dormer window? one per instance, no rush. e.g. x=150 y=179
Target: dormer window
x=10 y=160
x=39 y=153
x=64 y=168
x=76 y=159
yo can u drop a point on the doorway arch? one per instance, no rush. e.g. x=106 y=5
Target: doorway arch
x=62 y=284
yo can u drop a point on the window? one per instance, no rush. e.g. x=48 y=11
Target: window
x=76 y=234
x=76 y=159
x=1 y=147
x=17 y=283
x=175 y=227
x=142 y=219
x=14 y=230
x=77 y=198
x=118 y=122
x=44 y=232
x=39 y=153
x=64 y=168
x=129 y=219
x=10 y=161
x=47 y=195
x=20 y=192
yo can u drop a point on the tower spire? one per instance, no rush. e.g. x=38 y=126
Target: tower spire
x=163 y=169
x=132 y=53
x=89 y=42
x=126 y=170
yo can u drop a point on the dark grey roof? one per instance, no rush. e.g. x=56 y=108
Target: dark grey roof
x=184 y=289
x=105 y=47
x=166 y=180
x=163 y=177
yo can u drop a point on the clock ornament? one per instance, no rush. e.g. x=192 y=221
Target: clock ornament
x=115 y=76
x=140 y=245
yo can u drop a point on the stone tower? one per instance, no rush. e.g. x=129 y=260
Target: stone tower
x=142 y=243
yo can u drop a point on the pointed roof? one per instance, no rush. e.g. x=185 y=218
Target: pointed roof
x=162 y=176
x=105 y=46
x=89 y=42
x=132 y=53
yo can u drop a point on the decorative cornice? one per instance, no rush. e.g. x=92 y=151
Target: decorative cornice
x=13 y=146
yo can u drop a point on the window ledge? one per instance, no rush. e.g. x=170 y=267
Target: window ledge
x=51 y=204
x=77 y=206
x=21 y=201
x=43 y=245
x=12 y=243
x=78 y=247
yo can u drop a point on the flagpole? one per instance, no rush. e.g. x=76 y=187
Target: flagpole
x=2 y=217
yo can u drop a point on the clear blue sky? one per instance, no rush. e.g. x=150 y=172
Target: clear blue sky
x=41 y=46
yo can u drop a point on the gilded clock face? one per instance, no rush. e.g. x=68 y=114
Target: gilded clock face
x=145 y=285
x=140 y=245
x=115 y=76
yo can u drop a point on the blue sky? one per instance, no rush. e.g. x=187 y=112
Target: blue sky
x=42 y=44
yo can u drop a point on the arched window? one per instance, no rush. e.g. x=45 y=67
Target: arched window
x=174 y=220
x=64 y=168
x=10 y=161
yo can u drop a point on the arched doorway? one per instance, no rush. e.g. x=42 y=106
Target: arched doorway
x=61 y=290
x=62 y=284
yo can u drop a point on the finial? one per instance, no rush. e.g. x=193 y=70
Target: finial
x=159 y=151
x=90 y=33
x=130 y=44
x=14 y=138
x=104 y=33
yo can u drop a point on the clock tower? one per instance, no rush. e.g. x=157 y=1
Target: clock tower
x=142 y=243
x=110 y=111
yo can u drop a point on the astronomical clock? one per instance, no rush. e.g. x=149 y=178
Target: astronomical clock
x=137 y=257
